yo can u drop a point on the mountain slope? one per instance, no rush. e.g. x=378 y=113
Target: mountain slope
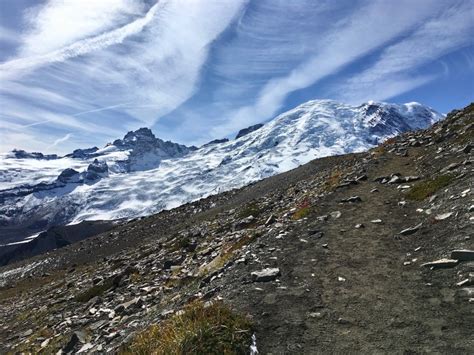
x=347 y=238
x=141 y=174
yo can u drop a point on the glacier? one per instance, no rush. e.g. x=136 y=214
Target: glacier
x=146 y=175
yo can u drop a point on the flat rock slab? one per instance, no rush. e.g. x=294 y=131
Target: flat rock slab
x=265 y=275
x=441 y=263
x=463 y=255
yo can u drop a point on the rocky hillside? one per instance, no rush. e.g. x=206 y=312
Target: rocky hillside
x=369 y=253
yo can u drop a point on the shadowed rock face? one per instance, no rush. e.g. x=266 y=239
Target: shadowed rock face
x=245 y=131
x=216 y=141
x=21 y=154
x=53 y=238
x=83 y=153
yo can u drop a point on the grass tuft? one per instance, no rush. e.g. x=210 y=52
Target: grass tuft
x=251 y=209
x=301 y=213
x=198 y=329
x=427 y=188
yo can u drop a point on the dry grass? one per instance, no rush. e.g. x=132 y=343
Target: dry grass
x=198 y=329
x=333 y=180
x=228 y=253
x=301 y=213
x=427 y=188
x=303 y=210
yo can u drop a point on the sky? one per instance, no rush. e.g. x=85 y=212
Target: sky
x=81 y=73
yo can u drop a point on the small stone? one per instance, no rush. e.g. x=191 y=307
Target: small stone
x=315 y=315
x=411 y=230
x=352 y=199
x=27 y=333
x=270 y=220
x=443 y=216
x=451 y=167
x=45 y=343
x=265 y=275
x=403 y=187
x=471 y=208
x=376 y=221
x=335 y=214
x=374 y=190
x=465 y=282
x=85 y=347
x=359 y=226
x=315 y=234
x=395 y=179
x=341 y=279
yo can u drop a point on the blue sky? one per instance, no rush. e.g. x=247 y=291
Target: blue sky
x=79 y=73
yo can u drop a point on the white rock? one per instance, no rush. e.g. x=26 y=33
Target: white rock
x=443 y=216
x=265 y=275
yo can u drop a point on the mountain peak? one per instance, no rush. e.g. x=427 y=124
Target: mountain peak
x=168 y=174
x=141 y=134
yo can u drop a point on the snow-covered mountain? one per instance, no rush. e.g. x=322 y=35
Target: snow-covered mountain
x=141 y=174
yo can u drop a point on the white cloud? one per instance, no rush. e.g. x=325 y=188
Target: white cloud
x=59 y=23
x=388 y=76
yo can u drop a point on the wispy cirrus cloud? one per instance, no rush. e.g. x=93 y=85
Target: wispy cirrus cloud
x=50 y=50
x=392 y=72
x=61 y=140
x=57 y=24
x=132 y=73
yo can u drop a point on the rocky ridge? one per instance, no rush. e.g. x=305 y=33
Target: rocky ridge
x=368 y=252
